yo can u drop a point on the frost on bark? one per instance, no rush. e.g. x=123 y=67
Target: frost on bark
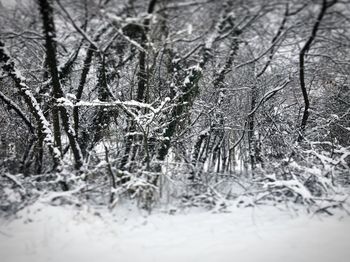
x=18 y=111
x=142 y=75
x=132 y=141
x=49 y=33
x=210 y=140
x=189 y=86
x=50 y=45
x=8 y=66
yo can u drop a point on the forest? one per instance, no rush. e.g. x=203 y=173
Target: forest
x=192 y=102
x=174 y=130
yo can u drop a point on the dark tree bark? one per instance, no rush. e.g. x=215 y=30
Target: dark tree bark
x=49 y=32
x=142 y=75
x=101 y=119
x=215 y=134
x=81 y=85
x=303 y=52
x=132 y=141
x=43 y=125
x=91 y=50
x=254 y=150
x=18 y=111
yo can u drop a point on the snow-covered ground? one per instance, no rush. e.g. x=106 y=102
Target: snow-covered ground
x=64 y=234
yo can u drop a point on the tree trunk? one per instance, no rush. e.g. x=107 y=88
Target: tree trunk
x=304 y=50
x=25 y=92
x=50 y=34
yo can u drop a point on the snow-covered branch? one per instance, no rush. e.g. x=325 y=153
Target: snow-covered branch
x=8 y=66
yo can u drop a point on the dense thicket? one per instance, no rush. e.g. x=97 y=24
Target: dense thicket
x=163 y=98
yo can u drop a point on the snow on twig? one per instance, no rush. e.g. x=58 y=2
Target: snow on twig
x=9 y=66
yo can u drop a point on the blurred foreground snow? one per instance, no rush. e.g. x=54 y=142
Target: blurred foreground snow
x=46 y=233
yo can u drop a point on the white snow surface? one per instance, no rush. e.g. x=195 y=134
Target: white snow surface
x=47 y=233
